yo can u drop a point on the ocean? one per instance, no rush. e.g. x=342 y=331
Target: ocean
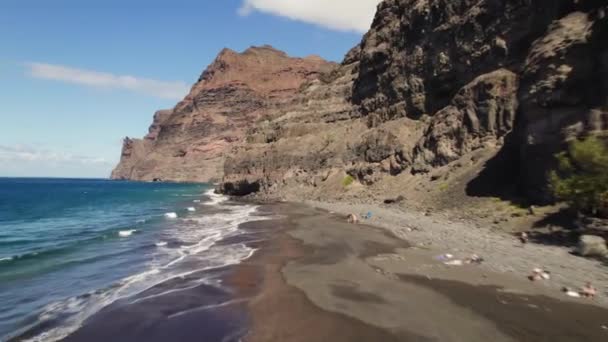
x=71 y=248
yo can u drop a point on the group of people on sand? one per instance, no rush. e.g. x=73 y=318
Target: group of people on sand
x=587 y=291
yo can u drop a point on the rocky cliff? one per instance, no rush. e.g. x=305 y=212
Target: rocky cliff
x=442 y=100
x=439 y=93
x=189 y=142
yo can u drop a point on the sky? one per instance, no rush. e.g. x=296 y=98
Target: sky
x=78 y=76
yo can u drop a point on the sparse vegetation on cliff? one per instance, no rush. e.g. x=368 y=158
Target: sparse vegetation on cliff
x=581 y=178
x=348 y=180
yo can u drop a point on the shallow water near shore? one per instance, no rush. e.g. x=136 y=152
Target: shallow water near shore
x=72 y=251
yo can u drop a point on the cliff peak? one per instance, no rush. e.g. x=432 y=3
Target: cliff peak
x=265 y=49
x=226 y=51
x=187 y=143
x=264 y=69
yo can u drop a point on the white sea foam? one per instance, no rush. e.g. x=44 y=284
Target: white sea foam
x=191 y=209
x=126 y=233
x=78 y=309
x=196 y=201
x=52 y=335
x=207 y=307
x=6 y=259
x=199 y=234
x=171 y=215
x=215 y=199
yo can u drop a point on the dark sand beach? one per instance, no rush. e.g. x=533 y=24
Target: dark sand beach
x=315 y=277
x=326 y=280
x=185 y=310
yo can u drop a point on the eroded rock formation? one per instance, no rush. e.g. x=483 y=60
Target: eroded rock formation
x=564 y=89
x=189 y=142
x=436 y=82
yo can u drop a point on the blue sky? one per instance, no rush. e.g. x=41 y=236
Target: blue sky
x=78 y=76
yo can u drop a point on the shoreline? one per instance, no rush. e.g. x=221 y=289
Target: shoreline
x=279 y=311
x=322 y=279
x=314 y=277
x=191 y=288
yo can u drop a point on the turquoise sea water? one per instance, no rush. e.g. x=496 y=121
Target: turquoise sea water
x=70 y=247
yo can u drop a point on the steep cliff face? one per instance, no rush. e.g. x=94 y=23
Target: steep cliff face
x=439 y=93
x=437 y=86
x=188 y=142
x=419 y=53
x=564 y=90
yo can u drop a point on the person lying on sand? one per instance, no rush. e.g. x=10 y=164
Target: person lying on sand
x=588 y=291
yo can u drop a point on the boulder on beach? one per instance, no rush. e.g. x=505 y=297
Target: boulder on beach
x=592 y=246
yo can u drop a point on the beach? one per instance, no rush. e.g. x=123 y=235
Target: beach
x=326 y=280
x=503 y=253
x=315 y=277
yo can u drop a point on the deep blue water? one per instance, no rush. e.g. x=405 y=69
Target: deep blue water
x=70 y=247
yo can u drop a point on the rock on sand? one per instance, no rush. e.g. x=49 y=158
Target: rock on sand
x=592 y=246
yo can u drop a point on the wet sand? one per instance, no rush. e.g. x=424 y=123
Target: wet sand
x=325 y=280
x=182 y=309
x=280 y=312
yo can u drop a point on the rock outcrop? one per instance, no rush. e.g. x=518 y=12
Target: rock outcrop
x=592 y=246
x=564 y=89
x=189 y=142
x=480 y=115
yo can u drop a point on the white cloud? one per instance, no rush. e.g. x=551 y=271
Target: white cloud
x=23 y=153
x=344 y=15
x=166 y=90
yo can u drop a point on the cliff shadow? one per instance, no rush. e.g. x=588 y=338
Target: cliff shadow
x=557 y=229
x=499 y=177
x=564 y=228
